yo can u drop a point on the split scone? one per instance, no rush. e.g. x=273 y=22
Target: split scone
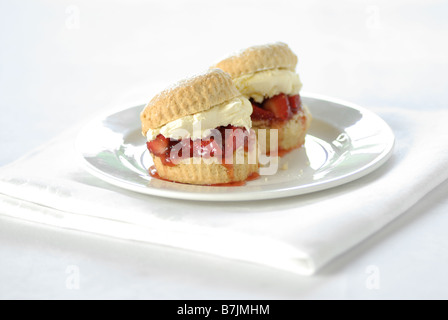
x=199 y=131
x=266 y=75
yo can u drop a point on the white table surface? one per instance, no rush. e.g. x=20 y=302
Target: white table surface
x=62 y=62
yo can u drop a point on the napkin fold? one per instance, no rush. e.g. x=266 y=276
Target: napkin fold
x=299 y=234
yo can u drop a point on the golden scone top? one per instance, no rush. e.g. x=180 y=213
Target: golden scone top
x=189 y=96
x=259 y=58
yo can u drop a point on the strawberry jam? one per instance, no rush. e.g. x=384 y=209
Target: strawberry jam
x=221 y=144
x=278 y=108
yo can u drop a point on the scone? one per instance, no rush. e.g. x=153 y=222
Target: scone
x=199 y=131
x=266 y=75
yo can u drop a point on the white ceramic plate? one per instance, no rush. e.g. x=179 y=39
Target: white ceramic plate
x=345 y=142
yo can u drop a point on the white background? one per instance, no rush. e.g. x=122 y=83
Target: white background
x=63 y=61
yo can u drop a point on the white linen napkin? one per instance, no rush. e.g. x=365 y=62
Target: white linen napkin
x=298 y=234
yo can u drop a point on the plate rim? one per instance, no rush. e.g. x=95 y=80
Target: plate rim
x=248 y=195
